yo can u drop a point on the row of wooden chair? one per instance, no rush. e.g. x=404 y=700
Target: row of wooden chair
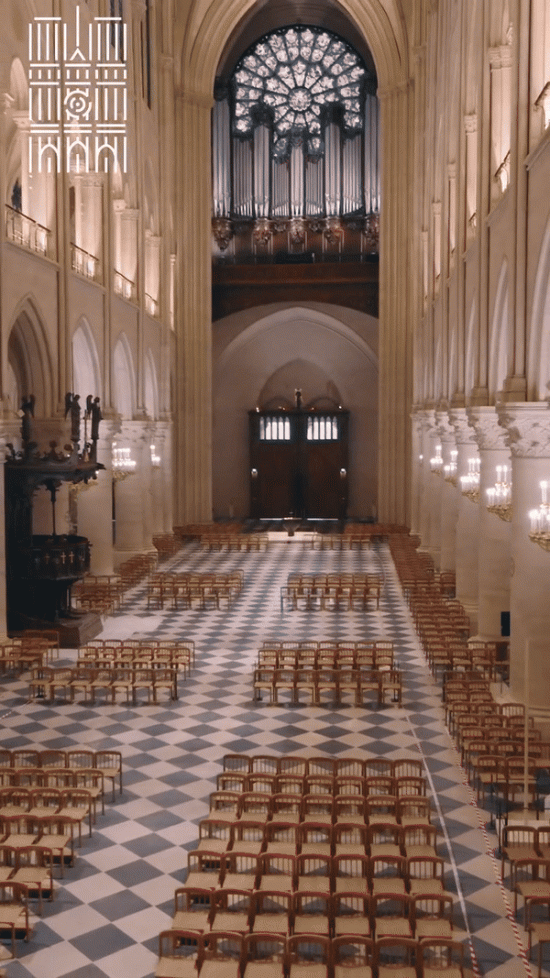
x=322 y=764
x=338 y=682
x=329 y=597
x=27 y=807
x=178 y=655
x=362 y=837
x=260 y=806
x=339 y=541
x=344 y=645
x=112 y=646
x=25 y=761
x=185 y=955
x=241 y=542
x=166 y=545
x=273 y=911
x=331 y=658
x=190 y=531
x=188 y=590
x=110 y=678
x=317 y=873
x=329 y=785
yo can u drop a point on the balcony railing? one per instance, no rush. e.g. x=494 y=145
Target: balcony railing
x=28 y=233
x=151 y=305
x=124 y=286
x=85 y=264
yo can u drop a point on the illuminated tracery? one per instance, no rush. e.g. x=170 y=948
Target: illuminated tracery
x=297 y=74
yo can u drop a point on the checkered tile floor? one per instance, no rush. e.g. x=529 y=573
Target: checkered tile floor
x=106 y=917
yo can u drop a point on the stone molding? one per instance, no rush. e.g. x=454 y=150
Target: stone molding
x=489 y=433
x=465 y=434
x=527 y=428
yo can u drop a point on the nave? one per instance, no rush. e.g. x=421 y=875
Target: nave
x=111 y=906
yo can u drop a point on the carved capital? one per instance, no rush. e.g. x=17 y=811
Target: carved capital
x=488 y=431
x=464 y=433
x=222 y=229
x=528 y=428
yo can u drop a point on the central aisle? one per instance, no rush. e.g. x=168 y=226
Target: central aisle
x=106 y=918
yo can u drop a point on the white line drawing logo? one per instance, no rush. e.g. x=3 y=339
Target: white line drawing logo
x=77 y=95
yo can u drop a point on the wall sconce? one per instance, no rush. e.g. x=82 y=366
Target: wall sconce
x=254 y=473
x=499 y=497
x=343 y=473
x=123 y=465
x=469 y=484
x=540 y=520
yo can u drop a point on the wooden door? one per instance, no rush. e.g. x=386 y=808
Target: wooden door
x=298 y=464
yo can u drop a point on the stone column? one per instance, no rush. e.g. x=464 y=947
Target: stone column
x=426 y=514
x=161 y=478
x=396 y=305
x=4 y=438
x=132 y=503
x=433 y=495
x=467 y=526
x=193 y=435
x=417 y=470
x=448 y=497
x=528 y=427
x=94 y=504
x=494 y=533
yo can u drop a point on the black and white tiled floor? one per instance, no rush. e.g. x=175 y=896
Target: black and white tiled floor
x=106 y=917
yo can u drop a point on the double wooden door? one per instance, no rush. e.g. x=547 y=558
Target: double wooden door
x=298 y=464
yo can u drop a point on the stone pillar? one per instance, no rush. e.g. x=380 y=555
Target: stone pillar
x=94 y=504
x=152 y=273
x=467 y=526
x=528 y=427
x=4 y=438
x=433 y=495
x=426 y=514
x=448 y=497
x=416 y=471
x=129 y=218
x=470 y=129
x=494 y=533
x=161 y=479
x=396 y=305
x=193 y=463
x=132 y=495
x=91 y=221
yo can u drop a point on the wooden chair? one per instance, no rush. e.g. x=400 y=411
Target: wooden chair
x=192 y=909
x=231 y=911
x=308 y=956
x=441 y=958
x=395 y=956
x=271 y=912
x=222 y=955
x=264 y=955
x=14 y=913
x=352 y=956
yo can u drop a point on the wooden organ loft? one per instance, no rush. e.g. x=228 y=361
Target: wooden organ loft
x=299 y=464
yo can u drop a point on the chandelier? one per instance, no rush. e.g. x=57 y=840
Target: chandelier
x=123 y=464
x=436 y=463
x=540 y=520
x=469 y=484
x=449 y=470
x=499 y=497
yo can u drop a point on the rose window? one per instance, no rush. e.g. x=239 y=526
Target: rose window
x=297 y=74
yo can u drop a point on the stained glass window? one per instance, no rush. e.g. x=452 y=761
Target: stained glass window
x=297 y=74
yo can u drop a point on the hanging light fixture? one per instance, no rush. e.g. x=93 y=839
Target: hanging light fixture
x=499 y=496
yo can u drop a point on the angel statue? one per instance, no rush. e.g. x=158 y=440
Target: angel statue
x=72 y=405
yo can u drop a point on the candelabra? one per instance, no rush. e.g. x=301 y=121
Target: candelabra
x=540 y=520
x=155 y=459
x=449 y=470
x=469 y=484
x=499 y=497
x=123 y=465
x=436 y=463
